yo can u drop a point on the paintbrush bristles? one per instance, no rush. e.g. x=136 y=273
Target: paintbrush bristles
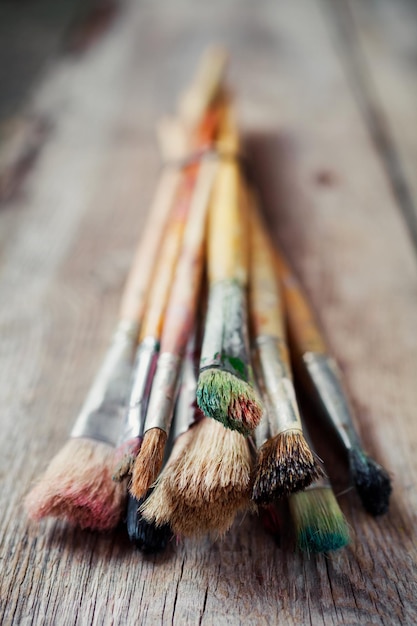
x=372 y=482
x=77 y=486
x=149 y=462
x=217 y=464
x=205 y=486
x=320 y=525
x=226 y=398
x=147 y=537
x=285 y=464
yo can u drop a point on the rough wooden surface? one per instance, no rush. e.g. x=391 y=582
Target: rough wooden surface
x=66 y=241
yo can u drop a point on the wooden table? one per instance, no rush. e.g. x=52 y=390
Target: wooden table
x=327 y=96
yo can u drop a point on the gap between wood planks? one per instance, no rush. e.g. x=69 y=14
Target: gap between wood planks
x=344 y=31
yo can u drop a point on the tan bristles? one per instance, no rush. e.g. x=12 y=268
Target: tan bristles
x=78 y=487
x=149 y=462
x=204 y=487
x=215 y=520
x=285 y=465
x=216 y=464
x=156 y=507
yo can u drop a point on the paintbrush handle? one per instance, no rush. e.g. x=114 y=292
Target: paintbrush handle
x=169 y=252
x=182 y=304
x=205 y=87
x=264 y=293
x=325 y=379
x=303 y=329
x=320 y=370
x=173 y=236
x=227 y=249
x=227 y=228
x=141 y=271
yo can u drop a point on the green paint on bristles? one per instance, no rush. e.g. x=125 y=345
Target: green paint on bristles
x=320 y=525
x=218 y=394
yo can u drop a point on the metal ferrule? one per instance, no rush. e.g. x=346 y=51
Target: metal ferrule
x=236 y=351
x=226 y=343
x=284 y=414
x=262 y=432
x=326 y=380
x=164 y=390
x=185 y=408
x=101 y=415
x=211 y=349
x=143 y=373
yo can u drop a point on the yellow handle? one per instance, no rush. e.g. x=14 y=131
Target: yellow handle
x=227 y=245
x=303 y=329
x=266 y=307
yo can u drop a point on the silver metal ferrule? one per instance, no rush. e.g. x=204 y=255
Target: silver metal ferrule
x=226 y=342
x=283 y=414
x=262 y=432
x=101 y=415
x=186 y=407
x=211 y=350
x=143 y=373
x=325 y=377
x=163 y=394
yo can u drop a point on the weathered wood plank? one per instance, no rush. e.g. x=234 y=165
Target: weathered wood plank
x=329 y=204
x=379 y=47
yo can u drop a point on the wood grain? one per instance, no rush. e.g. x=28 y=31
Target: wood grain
x=378 y=43
x=72 y=233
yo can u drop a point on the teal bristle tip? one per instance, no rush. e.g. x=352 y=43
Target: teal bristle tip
x=320 y=525
x=229 y=400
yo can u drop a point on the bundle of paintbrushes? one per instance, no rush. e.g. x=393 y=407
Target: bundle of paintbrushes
x=178 y=433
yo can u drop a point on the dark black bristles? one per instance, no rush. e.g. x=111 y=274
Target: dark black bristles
x=147 y=537
x=371 y=480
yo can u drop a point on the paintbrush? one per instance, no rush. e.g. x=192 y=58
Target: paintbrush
x=225 y=391
x=319 y=523
x=77 y=484
x=371 y=480
x=207 y=479
x=285 y=462
x=225 y=471
x=210 y=482
x=179 y=320
x=146 y=535
x=151 y=328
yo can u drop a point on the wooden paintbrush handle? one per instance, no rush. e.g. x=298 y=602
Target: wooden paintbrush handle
x=141 y=271
x=205 y=86
x=167 y=259
x=182 y=304
x=227 y=229
x=304 y=332
x=265 y=305
x=227 y=246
